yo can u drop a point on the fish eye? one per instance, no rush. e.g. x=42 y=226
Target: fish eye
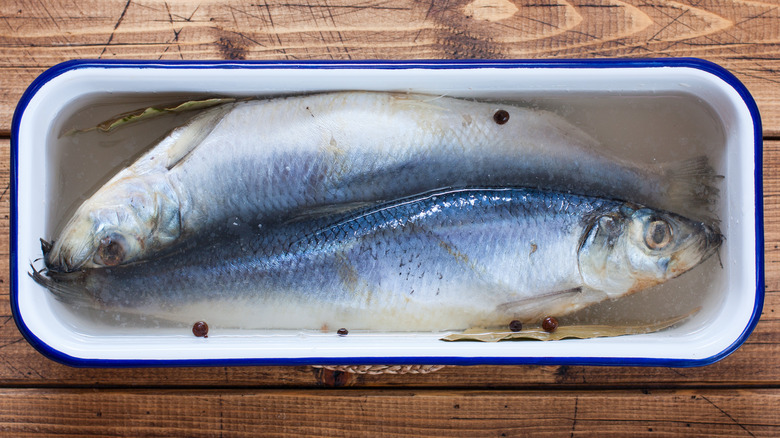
x=111 y=251
x=658 y=234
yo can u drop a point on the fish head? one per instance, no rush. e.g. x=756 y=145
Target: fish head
x=122 y=222
x=634 y=248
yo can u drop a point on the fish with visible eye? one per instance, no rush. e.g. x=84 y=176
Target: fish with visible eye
x=261 y=160
x=444 y=260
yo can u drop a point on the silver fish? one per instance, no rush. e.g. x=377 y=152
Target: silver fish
x=261 y=160
x=449 y=259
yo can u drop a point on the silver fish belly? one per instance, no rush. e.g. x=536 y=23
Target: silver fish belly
x=449 y=259
x=260 y=160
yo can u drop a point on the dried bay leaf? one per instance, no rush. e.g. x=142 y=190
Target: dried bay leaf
x=536 y=333
x=141 y=114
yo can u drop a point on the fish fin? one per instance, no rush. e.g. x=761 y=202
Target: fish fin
x=419 y=102
x=691 y=189
x=551 y=303
x=324 y=211
x=183 y=140
x=572 y=133
x=63 y=292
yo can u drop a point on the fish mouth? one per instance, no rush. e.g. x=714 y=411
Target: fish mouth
x=712 y=241
x=705 y=246
x=54 y=260
x=62 y=258
x=51 y=262
x=58 y=265
x=46 y=246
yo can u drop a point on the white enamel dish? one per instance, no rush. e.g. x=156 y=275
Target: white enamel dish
x=648 y=109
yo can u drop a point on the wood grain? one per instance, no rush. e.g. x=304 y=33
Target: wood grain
x=741 y=35
x=737 y=396
x=755 y=364
x=68 y=412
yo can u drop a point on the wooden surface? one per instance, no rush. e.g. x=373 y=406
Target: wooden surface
x=738 y=396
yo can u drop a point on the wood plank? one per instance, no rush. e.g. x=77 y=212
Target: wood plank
x=738 y=396
x=73 y=412
x=740 y=35
x=754 y=364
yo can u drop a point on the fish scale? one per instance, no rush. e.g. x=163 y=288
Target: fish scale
x=262 y=160
x=448 y=259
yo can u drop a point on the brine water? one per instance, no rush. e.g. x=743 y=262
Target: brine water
x=643 y=128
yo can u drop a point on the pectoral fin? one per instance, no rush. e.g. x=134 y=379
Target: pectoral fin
x=553 y=303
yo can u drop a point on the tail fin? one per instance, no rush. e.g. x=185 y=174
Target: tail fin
x=65 y=292
x=691 y=189
x=65 y=289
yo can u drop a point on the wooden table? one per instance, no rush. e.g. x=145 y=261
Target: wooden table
x=738 y=396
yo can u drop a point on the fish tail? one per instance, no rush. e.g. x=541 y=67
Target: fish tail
x=692 y=188
x=63 y=292
x=62 y=287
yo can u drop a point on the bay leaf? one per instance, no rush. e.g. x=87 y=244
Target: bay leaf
x=130 y=117
x=535 y=332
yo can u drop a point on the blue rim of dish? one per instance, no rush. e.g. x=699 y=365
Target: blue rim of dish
x=694 y=63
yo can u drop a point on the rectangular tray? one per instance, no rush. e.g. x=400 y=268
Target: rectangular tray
x=650 y=108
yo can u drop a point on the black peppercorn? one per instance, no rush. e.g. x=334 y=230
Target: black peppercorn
x=200 y=329
x=515 y=326
x=501 y=117
x=550 y=324
x=342 y=332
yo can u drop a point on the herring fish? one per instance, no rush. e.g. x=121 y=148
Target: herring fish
x=448 y=259
x=260 y=160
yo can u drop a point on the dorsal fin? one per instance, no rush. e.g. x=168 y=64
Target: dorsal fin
x=327 y=211
x=184 y=139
